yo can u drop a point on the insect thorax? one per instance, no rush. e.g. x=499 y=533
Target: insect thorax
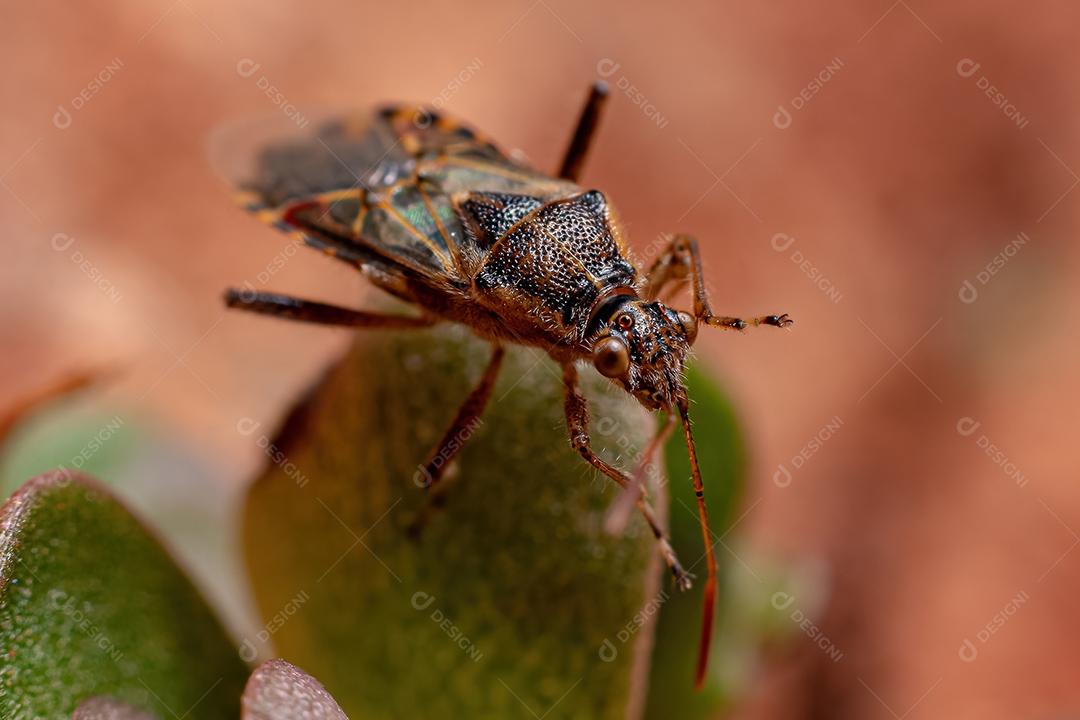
x=546 y=262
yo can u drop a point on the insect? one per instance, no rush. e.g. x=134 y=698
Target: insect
x=436 y=215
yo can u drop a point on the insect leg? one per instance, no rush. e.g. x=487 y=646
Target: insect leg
x=577 y=422
x=293 y=308
x=459 y=432
x=619 y=513
x=464 y=425
x=584 y=132
x=682 y=261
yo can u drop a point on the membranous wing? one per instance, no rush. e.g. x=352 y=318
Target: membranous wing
x=377 y=191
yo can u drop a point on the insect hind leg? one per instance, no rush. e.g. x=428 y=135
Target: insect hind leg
x=581 y=140
x=293 y=308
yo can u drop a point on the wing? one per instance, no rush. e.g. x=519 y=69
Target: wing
x=379 y=192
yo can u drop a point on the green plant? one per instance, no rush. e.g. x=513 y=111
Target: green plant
x=512 y=594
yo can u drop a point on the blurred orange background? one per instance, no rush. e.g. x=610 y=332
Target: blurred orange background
x=899 y=177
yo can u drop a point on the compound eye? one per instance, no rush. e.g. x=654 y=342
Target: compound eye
x=611 y=357
x=689 y=323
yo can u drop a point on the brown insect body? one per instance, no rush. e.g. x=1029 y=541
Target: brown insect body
x=436 y=215
x=458 y=226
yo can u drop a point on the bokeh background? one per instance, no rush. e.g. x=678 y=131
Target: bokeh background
x=899 y=176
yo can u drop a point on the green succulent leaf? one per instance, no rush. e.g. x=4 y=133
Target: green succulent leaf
x=80 y=438
x=279 y=690
x=91 y=604
x=105 y=708
x=510 y=601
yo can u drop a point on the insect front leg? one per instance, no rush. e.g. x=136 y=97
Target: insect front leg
x=293 y=308
x=577 y=423
x=681 y=261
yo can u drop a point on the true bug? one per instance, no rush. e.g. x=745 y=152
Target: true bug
x=434 y=214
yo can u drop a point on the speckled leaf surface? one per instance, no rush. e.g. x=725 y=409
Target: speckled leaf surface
x=502 y=607
x=91 y=604
x=104 y=708
x=279 y=690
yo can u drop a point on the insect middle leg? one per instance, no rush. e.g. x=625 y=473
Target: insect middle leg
x=464 y=425
x=293 y=308
x=577 y=423
x=461 y=429
x=681 y=261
